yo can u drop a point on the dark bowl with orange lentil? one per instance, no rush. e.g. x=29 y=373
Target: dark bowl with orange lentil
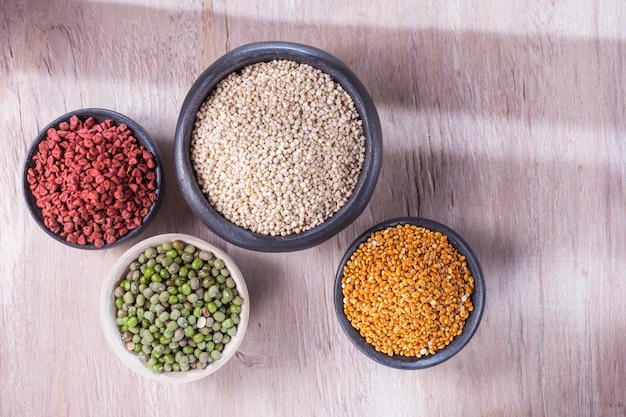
x=93 y=179
x=409 y=293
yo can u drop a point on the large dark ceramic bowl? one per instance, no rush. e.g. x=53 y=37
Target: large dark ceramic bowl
x=99 y=115
x=234 y=61
x=471 y=323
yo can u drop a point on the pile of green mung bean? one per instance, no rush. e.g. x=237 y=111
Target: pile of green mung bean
x=177 y=307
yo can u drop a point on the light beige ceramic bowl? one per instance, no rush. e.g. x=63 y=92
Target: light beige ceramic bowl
x=108 y=311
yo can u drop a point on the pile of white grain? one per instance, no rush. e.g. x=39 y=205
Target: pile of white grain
x=278 y=147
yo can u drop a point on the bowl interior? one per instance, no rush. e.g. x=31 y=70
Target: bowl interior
x=471 y=323
x=108 y=310
x=99 y=116
x=263 y=52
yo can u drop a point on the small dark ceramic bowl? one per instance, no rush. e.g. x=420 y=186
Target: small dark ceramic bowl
x=99 y=116
x=235 y=61
x=471 y=323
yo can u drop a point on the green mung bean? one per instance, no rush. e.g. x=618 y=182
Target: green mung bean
x=212 y=307
x=174 y=315
x=173 y=268
x=205 y=255
x=178 y=335
x=219 y=316
x=183 y=272
x=128 y=297
x=197 y=263
x=227 y=295
x=213 y=291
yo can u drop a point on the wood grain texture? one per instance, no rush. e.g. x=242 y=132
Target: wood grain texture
x=504 y=120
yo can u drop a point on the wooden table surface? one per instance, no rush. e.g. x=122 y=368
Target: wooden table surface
x=504 y=120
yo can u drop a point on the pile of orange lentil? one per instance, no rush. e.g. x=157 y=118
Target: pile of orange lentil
x=407 y=290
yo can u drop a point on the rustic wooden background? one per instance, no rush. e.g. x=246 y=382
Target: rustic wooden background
x=504 y=120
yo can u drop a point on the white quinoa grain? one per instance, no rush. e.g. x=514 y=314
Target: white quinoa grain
x=278 y=147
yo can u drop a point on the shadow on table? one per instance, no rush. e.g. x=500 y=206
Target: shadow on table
x=535 y=77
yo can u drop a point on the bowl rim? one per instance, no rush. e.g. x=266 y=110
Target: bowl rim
x=234 y=61
x=111 y=331
x=471 y=323
x=99 y=114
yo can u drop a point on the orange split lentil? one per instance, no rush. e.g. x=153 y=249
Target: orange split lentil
x=407 y=290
